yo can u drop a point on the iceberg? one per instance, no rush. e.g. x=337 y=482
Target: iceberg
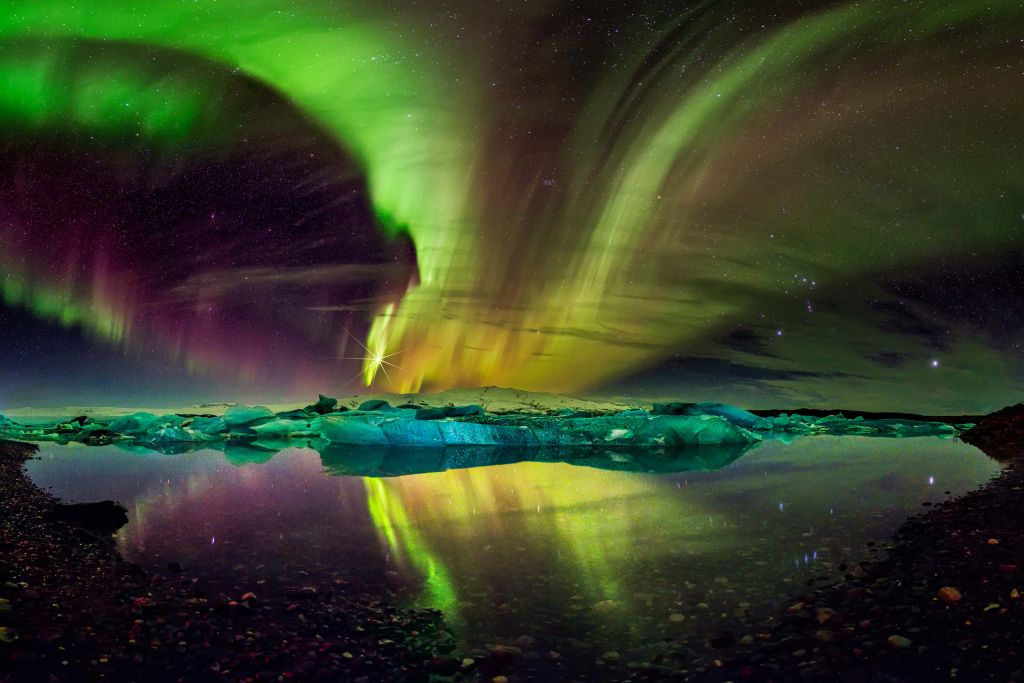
x=395 y=428
x=376 y=423
x=243 y=419
x=284 y=428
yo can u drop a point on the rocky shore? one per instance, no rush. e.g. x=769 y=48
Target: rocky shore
x=72 y=610
x=943 y=604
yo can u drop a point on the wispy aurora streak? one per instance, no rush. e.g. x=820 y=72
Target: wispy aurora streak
x=390 y=106
x=674 y=199
x=722 y=155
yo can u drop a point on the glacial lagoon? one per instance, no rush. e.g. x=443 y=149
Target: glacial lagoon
x=580 y=560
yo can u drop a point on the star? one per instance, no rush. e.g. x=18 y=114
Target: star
x=377 y=360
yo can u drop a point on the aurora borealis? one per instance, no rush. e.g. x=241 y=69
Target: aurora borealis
x=770 y=204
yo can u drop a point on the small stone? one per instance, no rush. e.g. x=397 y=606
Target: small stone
x=823 y=635
x=795 y=607
x=949 y=595
x=722 y=640
x=499 y=679
x=505 y=652
x=468 y=663
x=898 y=642
x=610 y=656
x=676 y=617
x=993 y=541
x=444 y=666
x=826 y=615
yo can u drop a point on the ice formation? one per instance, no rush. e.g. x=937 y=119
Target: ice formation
x=665 y=426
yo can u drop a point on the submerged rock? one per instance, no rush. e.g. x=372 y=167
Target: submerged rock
x=104 y=517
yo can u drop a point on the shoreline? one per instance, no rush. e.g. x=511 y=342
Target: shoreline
x=72 y=609
x=944 y=603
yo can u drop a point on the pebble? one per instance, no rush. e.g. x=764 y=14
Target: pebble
x=898 y=642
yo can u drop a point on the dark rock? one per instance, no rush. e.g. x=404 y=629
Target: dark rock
x=376 y=405
x=444 y=665
x=504 y=653
x=1001 y=434
x=443 y=412
x=323 y=405
x=298 y=414
x=104 y=517
x=304 y=593
x=722 y=640
x=674 y=408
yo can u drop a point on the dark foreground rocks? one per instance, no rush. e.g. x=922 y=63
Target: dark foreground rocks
x=944 y=604
x=1001 y=434
x=105 y=517
x=72 y=610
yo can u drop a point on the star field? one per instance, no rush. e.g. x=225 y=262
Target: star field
x=774 y=204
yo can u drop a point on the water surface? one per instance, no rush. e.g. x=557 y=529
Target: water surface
x=578 y=559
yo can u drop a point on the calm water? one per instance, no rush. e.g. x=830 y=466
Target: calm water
x=581 y=559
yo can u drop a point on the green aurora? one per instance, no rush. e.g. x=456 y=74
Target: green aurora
x=715 y=174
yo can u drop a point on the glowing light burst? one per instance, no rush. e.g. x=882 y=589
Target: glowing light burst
x=375 y=360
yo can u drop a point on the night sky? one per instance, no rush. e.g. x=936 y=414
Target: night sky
x=776 y=204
